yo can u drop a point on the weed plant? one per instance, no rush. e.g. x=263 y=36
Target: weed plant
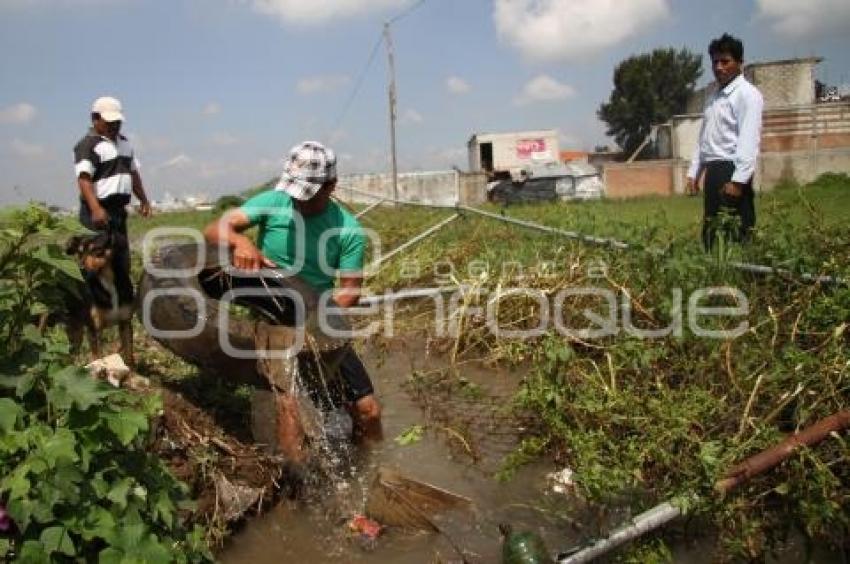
x=643 y=420
x=76 y=480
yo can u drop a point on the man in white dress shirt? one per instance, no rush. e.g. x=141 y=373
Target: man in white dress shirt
x=728 y=146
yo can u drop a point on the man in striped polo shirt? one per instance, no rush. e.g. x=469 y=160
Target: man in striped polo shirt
x=107 y=174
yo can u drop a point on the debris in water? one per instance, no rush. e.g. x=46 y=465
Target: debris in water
x=110 y=368
x=562 y=482
x=234 y=499
x=523 y=547
x=365 y=527
x=399 y=501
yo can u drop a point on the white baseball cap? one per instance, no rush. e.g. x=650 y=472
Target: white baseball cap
x=306 y=169
x=109 y=108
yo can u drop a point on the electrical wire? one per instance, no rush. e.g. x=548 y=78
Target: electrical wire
x=359 y=83
x=406 y=13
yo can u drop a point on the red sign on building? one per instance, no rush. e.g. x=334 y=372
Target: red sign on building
x=525 y=148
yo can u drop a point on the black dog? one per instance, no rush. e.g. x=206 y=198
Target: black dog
x=97 y=306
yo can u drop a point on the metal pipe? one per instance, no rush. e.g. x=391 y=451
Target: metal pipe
x=396 y=201
x=647 y=521
x=361 y=213
x=531 y=225
x=767 y=270
x=757 y=464
x=744 y=267
x=421 y=236
x=409 y=294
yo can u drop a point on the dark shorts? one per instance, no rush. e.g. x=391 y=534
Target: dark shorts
x=353 y=382
x=352 y=385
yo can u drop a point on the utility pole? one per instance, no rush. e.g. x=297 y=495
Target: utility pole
x=389 y=40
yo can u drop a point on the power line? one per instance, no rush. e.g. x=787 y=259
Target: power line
x=406 y=13
x=359 y=83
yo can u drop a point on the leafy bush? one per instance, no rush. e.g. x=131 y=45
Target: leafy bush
x=224 y=203
x=75 y=477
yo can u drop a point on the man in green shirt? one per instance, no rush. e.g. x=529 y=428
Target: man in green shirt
x=303 y=231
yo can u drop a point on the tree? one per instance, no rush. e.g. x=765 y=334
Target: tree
x=224 y=203
x=648 y=90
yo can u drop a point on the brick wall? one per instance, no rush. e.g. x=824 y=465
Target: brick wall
x=644 y=178
x=818 y=126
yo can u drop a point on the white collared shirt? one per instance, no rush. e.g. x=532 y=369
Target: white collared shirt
x=731 y=130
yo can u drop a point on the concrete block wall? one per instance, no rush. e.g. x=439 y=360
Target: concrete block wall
x=800 y=166
x=473 y=188
x=445 y=188
x=784 y=83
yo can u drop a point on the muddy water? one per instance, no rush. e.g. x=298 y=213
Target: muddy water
x=314 y=530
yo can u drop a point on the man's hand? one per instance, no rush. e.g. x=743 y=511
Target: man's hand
x=732 y=190
x=692 y=187
x=99 y=217
x=247 y=256
x=145 y=209
x=348 y=292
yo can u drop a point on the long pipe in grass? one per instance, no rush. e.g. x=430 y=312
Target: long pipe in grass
x=824 y=280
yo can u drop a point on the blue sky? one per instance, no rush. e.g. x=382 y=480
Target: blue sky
x=216 y=91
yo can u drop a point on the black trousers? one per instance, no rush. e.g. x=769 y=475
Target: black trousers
x=117 y=227
x=717 y=205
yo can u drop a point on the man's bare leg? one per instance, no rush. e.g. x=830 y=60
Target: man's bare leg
x=290 y=432
x=368 y=418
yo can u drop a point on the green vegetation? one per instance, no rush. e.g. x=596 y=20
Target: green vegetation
x=639 y=420
x=642 y=420
x=75 y=477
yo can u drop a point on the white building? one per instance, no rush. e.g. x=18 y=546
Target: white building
x=512 y=152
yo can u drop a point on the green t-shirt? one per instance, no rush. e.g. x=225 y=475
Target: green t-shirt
x=280 y=238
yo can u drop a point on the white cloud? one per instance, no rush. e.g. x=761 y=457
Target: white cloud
x=223 y=139
x=26 y=150
x=569 y=29
x=411 y=117
x=18 y=113
x=301 y=12
x=807 y=18
x=211 y=109
x=180 y=160
x=457 y=85
x=543 y=88
x=321 y=83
